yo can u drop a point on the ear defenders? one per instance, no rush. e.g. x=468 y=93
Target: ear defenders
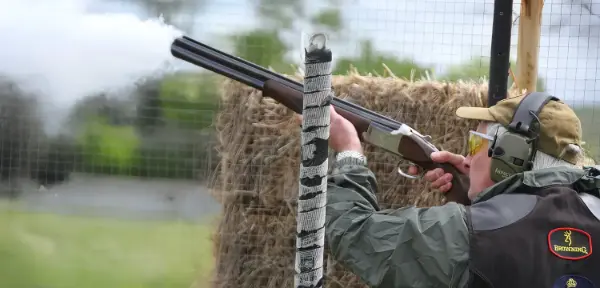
x=513 y=151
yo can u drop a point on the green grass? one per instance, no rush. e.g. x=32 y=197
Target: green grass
x=51 y=251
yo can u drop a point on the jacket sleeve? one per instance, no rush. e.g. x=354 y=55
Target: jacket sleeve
x=406 y=247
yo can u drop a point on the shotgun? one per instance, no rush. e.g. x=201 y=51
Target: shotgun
x=373 y=128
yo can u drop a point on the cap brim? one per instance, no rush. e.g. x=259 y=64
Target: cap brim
x=475 y=113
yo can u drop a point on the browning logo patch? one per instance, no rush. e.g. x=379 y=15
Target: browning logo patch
x=573 y=281
x=570 y=243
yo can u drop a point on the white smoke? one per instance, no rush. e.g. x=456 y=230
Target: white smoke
x=65 y=53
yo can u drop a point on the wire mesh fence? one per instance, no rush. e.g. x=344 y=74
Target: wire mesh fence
x=445 y=40
x=180 y=125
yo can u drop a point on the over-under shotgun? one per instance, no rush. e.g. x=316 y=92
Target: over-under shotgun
x=373 y=128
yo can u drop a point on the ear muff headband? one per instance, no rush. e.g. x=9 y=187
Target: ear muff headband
x=514 y=150
x=528 y=110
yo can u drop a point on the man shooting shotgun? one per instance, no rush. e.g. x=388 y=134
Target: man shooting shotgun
x=522 y=213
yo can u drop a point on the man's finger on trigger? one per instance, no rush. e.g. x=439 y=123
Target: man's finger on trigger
x=412 y=170
x=445 y=188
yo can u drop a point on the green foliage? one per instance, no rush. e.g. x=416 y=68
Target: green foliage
x=479 y=67
x=473 y=69
x=370 y=61
x=190 y=99
x=113 y=109
x=279 y=13
x=262 y=47
x=163 y=137
x=265 y=46
x=173 y=160
x=330 y=18
x=108 y=147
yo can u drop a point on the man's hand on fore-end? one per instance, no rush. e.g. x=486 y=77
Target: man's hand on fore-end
x=438 y=178
x=342 y=134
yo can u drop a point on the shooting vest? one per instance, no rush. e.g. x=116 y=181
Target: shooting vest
x=537 y=230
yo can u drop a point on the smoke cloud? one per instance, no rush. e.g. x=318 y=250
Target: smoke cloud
x=62 y=52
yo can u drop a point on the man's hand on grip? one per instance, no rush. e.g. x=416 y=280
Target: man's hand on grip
x=438 y=178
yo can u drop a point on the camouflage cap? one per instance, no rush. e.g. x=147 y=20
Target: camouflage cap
x=560 y=126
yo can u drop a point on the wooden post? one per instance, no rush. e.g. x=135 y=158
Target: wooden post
x=530 y=22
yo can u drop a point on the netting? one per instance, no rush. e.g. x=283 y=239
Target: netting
x=390 y=56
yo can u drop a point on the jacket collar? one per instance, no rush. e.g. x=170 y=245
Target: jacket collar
x=583 y=180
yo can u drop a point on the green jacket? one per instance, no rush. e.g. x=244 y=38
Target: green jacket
x=410 y=246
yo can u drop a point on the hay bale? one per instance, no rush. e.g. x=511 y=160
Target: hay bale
x=256 y=180
x=250 y=243
x=258 y=148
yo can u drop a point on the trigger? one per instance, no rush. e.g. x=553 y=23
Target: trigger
x=406 y=175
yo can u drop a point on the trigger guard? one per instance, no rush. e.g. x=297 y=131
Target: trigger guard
x=404 y=174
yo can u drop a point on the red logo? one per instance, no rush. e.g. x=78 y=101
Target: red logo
x=570 y=243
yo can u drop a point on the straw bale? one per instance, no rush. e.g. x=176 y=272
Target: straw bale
x=259 y=148
x=253 y=247
x=256 y=180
